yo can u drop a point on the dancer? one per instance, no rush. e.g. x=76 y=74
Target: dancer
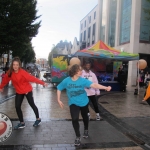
x=91 y=92
x=21 y=81
x=77 y=98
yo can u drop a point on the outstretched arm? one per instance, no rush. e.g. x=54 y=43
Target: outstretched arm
x=31 y=78
x=99 y=86
x=97 y=91
x=58 y=99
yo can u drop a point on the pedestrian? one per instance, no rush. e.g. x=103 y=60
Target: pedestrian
x=122 y=79
x=147 y=77
x=6 y=67
x=91 y=92
x=77 y=98
x=142 y=77
x=2 y=76
x=21 y=82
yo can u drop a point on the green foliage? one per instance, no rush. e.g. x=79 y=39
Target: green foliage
x=54 y=50
x=17 y=26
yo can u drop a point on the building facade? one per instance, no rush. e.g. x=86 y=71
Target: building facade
x=88 y=25
x=122 y=24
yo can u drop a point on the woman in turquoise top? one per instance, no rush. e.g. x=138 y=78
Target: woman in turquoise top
x=77 y=98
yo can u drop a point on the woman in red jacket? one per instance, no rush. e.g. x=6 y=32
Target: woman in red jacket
x=21 y=82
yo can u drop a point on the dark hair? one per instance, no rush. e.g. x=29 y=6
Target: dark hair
x=87 y=62
x=11 y=66
x=74 y=69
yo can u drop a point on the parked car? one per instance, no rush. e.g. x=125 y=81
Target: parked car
x=47 y=76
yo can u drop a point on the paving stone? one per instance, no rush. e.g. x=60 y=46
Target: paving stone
x=59 y=148
x=64 y=145
x=50 y=145
x=37 y=146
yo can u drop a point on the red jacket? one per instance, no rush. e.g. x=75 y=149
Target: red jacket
x=21 y=81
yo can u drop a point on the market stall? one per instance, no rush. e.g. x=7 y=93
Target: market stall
x=106 y=62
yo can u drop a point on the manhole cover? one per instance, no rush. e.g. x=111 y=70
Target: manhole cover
x=104 y=102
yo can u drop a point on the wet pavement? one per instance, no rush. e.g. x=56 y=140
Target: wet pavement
x=125 y=124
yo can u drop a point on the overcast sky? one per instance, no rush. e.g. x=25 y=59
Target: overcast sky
x=60 y=21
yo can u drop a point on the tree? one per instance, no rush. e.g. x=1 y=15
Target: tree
x=29 y=54
x=54 y=50
x=17 y=25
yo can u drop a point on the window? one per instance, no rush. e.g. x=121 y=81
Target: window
x=95 y=15
x=81 y=37
x=103 y=21
x=112 y=23
x=144 y=23
x=85 y=23
x=89 y=19
x=81 y=26
x=94 y=29
x=84 y=35
x=89 y=31
x=125 y=25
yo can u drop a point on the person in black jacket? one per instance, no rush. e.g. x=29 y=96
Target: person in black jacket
x=122 y=79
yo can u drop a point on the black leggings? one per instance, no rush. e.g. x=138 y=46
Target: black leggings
x=94 y=102
x=74 y=111
x=18 y=102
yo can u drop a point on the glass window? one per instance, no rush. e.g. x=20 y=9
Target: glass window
x=89 y=19
x=125 y=21
x=112 y=22
x=102 y=31
x=145 y=23
x=95 y=15
x=81 y=37
x=89 y=32
x=84 y=35
x=94 y=29
x=81 y=26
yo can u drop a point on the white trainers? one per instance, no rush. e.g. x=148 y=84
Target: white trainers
x=98 y=117
x=89 y=116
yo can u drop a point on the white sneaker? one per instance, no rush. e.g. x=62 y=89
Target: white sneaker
x=98 y=117
x=89 y=116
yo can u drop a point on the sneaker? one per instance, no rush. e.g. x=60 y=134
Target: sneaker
x=89 y=116
x=98 y=117
x=19 y=126
x=77 y=141
x=36 y=123
x=86 y=134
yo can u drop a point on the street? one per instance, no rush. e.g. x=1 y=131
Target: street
x=125 y=123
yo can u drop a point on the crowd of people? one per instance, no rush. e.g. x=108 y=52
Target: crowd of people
x=144 y=77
